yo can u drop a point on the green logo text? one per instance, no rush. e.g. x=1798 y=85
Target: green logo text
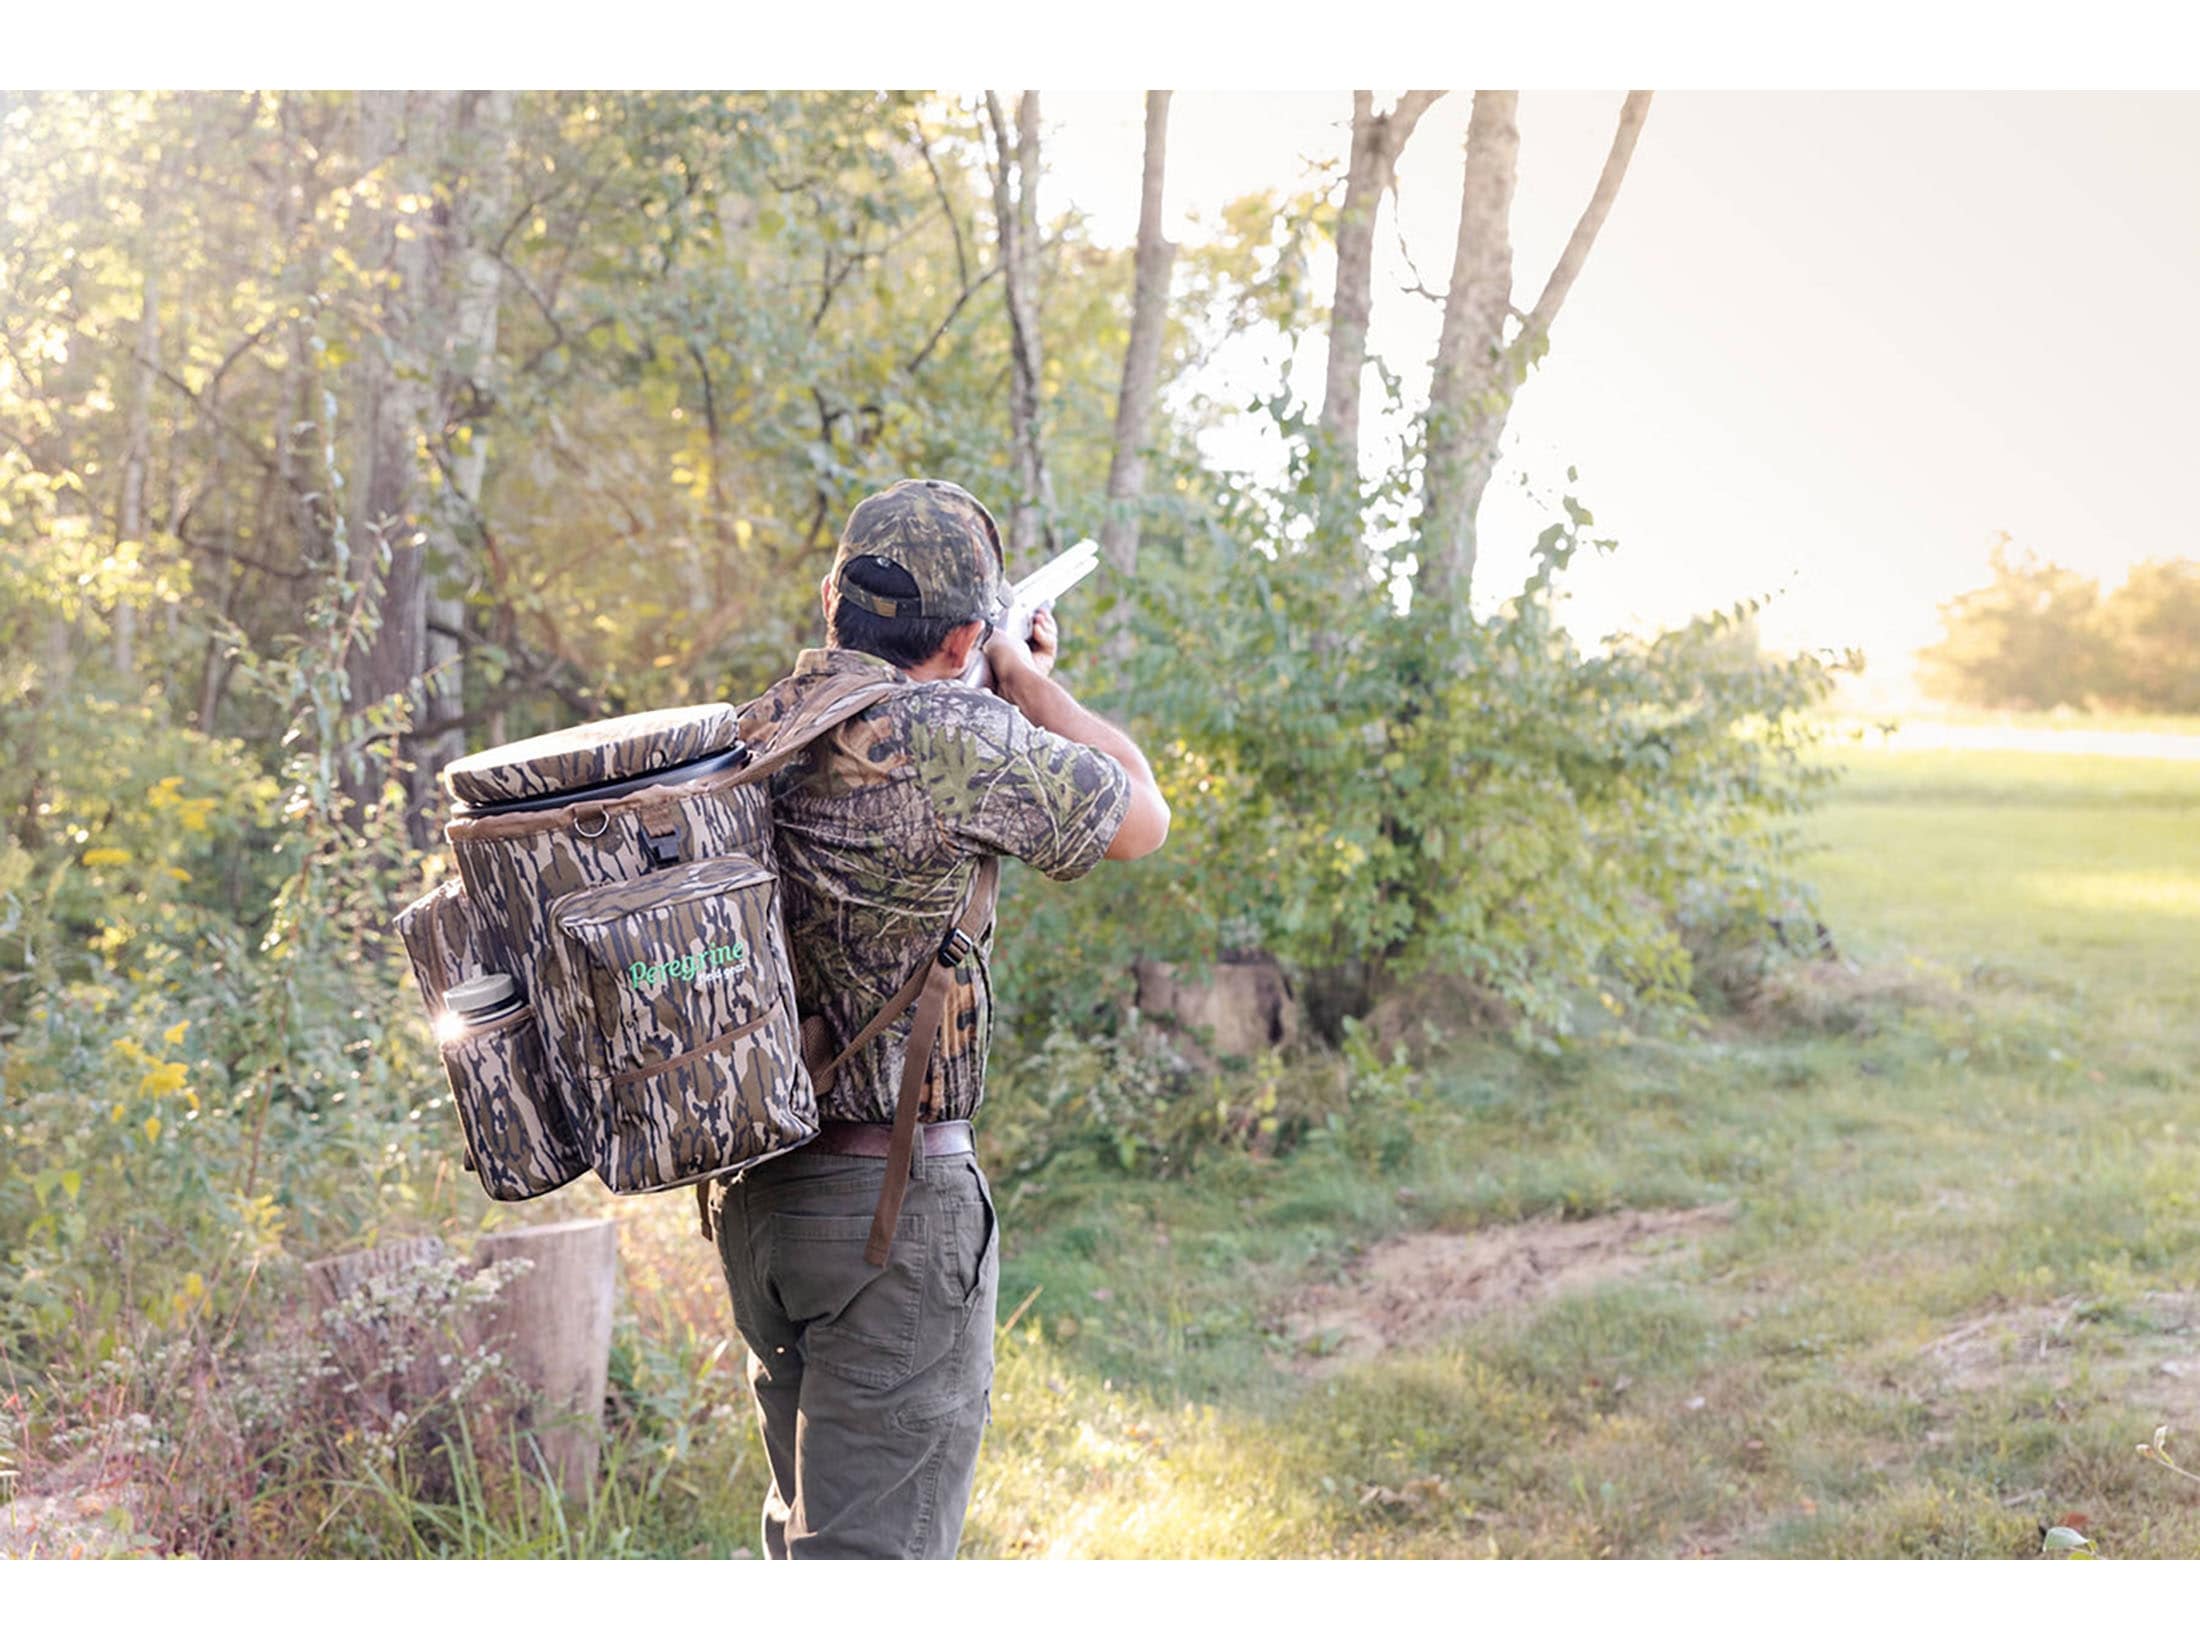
x=700 y=963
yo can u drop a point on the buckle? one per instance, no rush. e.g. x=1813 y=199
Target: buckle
x=662 y=847
x=955 y=948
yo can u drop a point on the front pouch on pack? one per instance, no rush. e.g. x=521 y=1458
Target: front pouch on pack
x=680 y=990
x=517 y=1139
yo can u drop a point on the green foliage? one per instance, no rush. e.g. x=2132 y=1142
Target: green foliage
x=2151 y=623
x=208 y=1050
x=2040 y=636
x=1364 y=785
x=207 y=1084
x=721 y=318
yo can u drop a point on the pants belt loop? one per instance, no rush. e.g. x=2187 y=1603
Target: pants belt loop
x=916 y=1155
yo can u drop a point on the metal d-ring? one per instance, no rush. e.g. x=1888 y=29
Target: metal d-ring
x=603 y=824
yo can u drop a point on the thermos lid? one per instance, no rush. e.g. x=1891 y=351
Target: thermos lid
x=482 y=991
x=595 y=753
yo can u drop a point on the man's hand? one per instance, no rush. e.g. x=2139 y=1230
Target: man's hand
x=1009 y=656
x=1046 y=641
x=1011 y=659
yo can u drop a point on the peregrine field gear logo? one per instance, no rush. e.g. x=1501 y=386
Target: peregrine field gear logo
x=700 y=964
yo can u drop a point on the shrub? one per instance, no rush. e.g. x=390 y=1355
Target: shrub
x=1367 y=787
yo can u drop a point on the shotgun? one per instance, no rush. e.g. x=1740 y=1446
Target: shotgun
x=1036 y=590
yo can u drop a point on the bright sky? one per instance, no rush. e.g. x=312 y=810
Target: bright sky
x=1828 y=344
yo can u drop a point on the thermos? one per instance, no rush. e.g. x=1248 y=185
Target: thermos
x=483 y=998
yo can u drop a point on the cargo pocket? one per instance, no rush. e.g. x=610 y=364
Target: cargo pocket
x=678 y=989
x=860 y=1321
x=515 y=1139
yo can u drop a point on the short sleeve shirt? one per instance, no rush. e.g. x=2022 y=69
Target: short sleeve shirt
x=880 y=825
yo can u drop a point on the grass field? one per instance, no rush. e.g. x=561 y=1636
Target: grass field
x=1938 y=1277
x=1948 y=1279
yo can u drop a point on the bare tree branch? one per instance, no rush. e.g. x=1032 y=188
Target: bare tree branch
x=1370 y=173
x=1141 y=361
x=930 y=344
x=947 y=205
x=197 y=400
x=1405 y=117
x=1537 y=323
x=526 y=285
x=1015 y=204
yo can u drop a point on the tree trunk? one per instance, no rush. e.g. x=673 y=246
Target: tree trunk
x=552 y=1324
x=445 y=155
x=1466 y=408
x=60 y=655
x=1476 y=370
x=1027 y=184
x=1377 y=142
x=1016 y=211
x=401 y=132
x=481 y=194
x=137 y=458
x=389 y=1314
x=1141 y=366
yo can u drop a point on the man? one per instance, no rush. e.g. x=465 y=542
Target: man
x=873 y=1382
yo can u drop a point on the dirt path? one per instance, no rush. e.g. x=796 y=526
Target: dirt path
x=74 y=1524
x=1415 y=1287
x=2150 y=1355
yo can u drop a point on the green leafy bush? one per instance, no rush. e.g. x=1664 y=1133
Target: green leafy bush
x=1366 y=788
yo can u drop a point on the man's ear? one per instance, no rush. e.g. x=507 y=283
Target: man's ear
x=954 y=654
x=825 y=598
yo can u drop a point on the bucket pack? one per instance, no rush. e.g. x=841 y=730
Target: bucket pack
x=609 y=975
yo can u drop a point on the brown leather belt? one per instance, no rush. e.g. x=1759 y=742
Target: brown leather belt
x=877 y=1139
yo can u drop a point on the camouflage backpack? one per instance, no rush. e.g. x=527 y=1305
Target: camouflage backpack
x=622 y=875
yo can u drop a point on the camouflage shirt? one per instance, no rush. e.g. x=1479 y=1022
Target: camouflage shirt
x=880 y=824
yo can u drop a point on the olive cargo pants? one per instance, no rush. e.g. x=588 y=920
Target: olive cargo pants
x=872 y=1385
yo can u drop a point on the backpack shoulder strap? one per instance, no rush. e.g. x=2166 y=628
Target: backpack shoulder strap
x=927 y=987
x=833 y=701
x=964 y=932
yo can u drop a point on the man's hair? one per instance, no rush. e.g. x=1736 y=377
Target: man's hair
x=902 y=642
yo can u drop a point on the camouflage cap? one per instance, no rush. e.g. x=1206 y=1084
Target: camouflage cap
x=942 y=538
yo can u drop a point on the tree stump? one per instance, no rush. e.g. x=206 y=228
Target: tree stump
x=1245 y=1007
x=552 y=1324
x=398 y=1315
x=376 y=1319
x=378 y=1343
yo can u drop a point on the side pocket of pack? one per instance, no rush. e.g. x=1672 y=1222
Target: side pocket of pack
x=501 y=1087
x=442 y=941
x=499 y=1082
